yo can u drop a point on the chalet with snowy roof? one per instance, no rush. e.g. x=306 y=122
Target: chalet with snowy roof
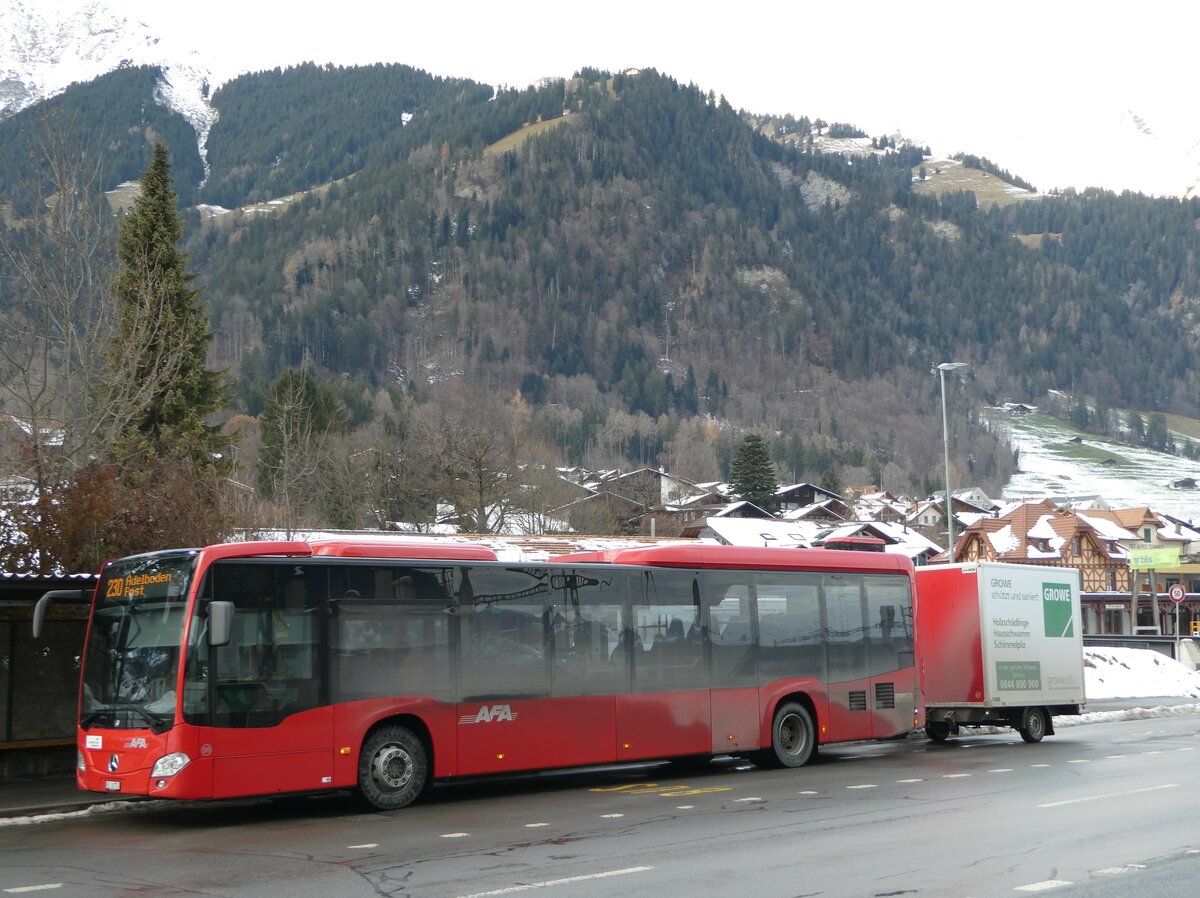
x=897 y=538
x=651 y=487
x=977 y=497
x=731 y=531
x=880 y=506
x=601 y=512
x=829 y=511
x=1040 y=533
x=802 y=495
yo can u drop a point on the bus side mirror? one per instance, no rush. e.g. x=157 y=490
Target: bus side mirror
x=220 y=623
x=39 y=610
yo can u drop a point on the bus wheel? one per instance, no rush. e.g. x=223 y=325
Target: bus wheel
x=792 y=735
x=1033 y=725
x=392 y=768
x=938 y=730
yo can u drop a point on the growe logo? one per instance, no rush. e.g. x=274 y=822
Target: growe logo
x=489 y=714
x=1057 y=610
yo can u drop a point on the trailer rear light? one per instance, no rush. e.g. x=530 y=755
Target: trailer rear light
x=171 y=764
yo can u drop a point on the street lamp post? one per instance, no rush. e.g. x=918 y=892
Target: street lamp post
x=942 y=369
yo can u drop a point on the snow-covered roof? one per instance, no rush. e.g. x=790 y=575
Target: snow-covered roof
x=1108 y=529
x=1004 y=540
x=764 y=532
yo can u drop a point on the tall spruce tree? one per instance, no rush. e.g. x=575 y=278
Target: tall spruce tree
x=159 y=353
x=752 y=475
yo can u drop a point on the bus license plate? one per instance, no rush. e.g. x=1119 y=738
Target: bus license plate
x=112 y=785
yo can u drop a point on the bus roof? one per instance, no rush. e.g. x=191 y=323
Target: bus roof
x=345 y=548
x=704 y=555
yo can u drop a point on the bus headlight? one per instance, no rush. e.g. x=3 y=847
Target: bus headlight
x=170 y=764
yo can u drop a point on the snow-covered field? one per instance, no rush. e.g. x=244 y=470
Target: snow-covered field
x=1053 y=467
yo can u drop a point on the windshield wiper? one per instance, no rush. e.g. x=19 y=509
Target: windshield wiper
x=156 y=722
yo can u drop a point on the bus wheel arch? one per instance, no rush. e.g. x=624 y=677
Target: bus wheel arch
x=395 y=763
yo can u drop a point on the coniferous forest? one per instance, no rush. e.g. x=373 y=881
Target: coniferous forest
x=639 y=274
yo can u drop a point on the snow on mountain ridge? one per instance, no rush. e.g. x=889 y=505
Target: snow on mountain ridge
x=45 y=52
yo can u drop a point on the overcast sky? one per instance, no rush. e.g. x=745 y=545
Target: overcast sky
x=1043 y=88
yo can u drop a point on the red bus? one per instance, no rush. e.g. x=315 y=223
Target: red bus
x=289 y=667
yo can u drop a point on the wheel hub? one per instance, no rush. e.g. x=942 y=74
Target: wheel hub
x=791 y=734
x=392 y=767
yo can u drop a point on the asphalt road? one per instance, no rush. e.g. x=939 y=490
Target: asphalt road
x=1104 y=809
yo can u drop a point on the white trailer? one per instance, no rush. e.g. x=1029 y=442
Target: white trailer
x=999 y=645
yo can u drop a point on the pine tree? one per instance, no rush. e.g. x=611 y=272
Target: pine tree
x=752 y=475
x=160 y=349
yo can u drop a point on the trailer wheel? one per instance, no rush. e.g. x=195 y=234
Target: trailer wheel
x=393 y=768
x=793 y=737
x=1033 y=724
x=938 y=730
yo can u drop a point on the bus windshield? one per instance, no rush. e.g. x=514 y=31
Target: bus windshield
x=133 y=646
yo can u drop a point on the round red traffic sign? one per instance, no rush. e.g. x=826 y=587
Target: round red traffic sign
x=1176 y=592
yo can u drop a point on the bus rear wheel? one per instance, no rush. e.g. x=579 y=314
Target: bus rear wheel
x=793 y=737
x=393 y=768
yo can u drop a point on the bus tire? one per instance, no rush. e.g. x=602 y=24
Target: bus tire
x=1034 y=724
x=393 y=768
x=793 y=736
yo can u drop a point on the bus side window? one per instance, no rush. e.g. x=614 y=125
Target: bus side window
x=586 y=623
x=395 y=639
x=666 y=609
x=889 y=623
x=731 y=627
x=503 y=632
x=845 y=611
x=791 y=635
x=269 y=669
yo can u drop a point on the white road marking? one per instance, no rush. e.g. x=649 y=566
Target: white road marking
x=1059 y=804
x=864 y=786
x=1114 y=871
x=751 y=798
x=365 y=845
x=611 y=816
x=1079 y=761
x=513 y=890
x=44 y=887
x=911 y=781
x=1114 y=757
x=1042 y=886
x=1001 y=770
x=1039 y=765
x=535 y=825
x=954 y=776
x=455 y=835
x=808 y=792
x=684 y=807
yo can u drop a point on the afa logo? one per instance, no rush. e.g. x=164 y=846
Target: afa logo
x=136 y=742
x=490 y=714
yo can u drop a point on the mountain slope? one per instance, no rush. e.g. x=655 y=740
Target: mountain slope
x=653 y=259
